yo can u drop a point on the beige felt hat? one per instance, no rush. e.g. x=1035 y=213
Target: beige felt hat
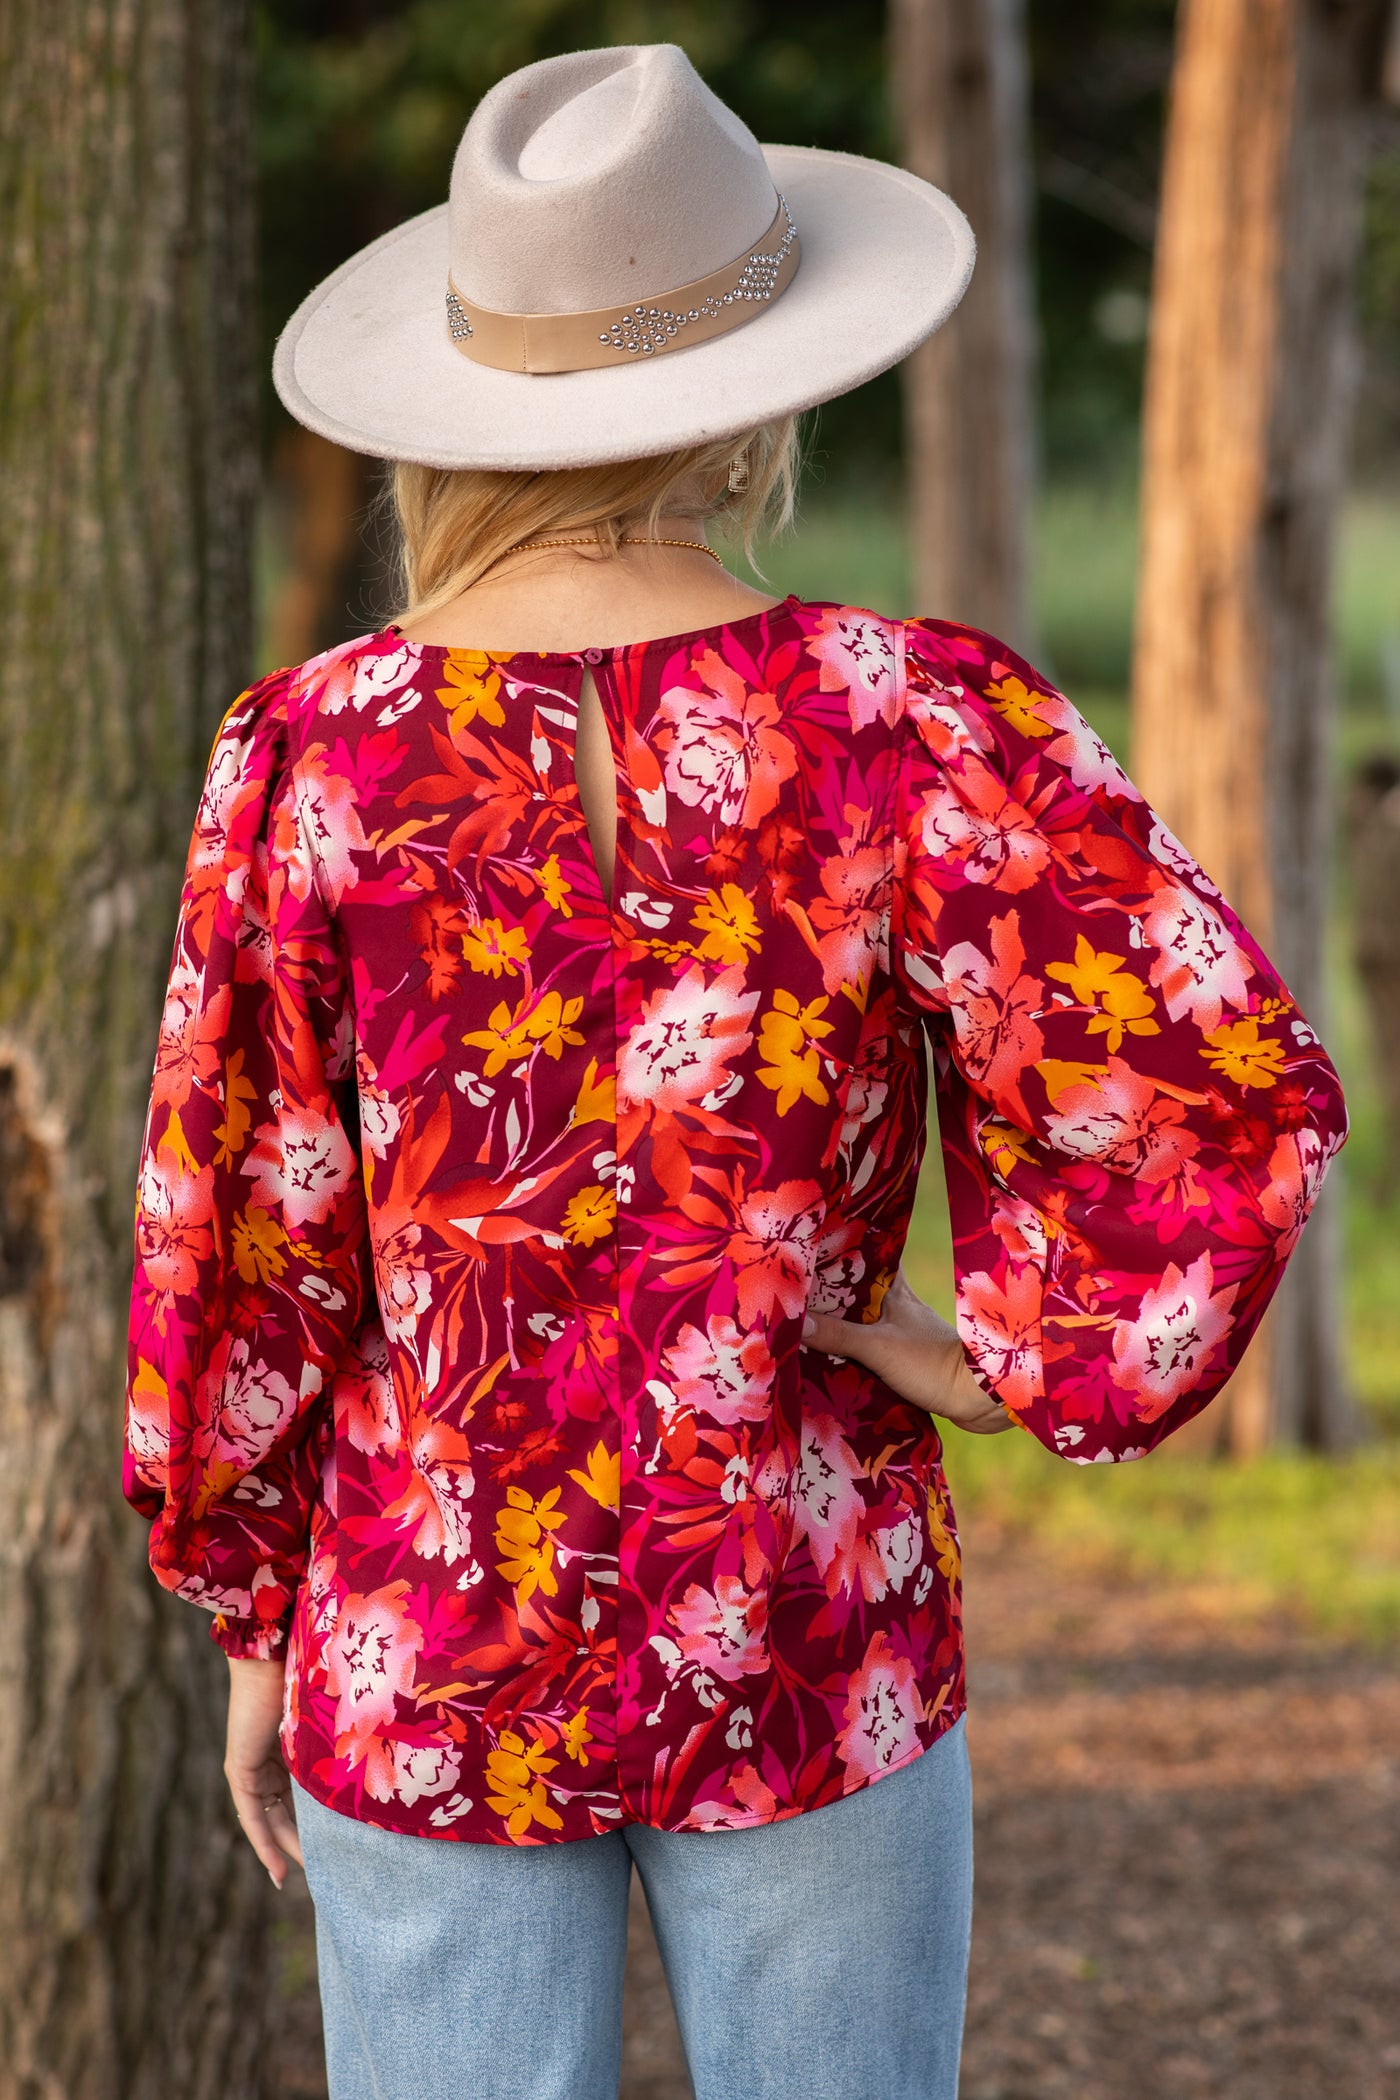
x=620 y=269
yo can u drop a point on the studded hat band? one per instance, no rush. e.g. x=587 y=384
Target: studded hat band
x=616 y=334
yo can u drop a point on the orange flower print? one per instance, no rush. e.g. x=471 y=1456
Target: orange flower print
x=173 y=1235
x=471 y=690
x=258 y=1241
x=987 y=832
x=1028 y=712
x=589 y=1215
x=191 y=1026
x=851 y=916
x=545 y=1023
x=576 y=1736
x=523 y=1530
x=788 y=1035
x=557 y=890
x=491 y=947
x=517 y=1791
x=239 y=1091
x=995 y=1011
x=603 y=1478
x=774 y=1251
x=1104 y=981
x=1237 y=1049
x=729 y=925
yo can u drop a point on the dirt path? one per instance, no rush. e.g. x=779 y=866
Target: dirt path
x=1188 y=1866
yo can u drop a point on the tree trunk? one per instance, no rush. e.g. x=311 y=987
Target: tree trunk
x=1249 y=388
x=958 y=70
x=131 y=1915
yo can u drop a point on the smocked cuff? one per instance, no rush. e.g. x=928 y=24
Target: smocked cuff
x=249 y=1640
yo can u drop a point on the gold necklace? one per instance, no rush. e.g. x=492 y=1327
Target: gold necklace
x=626 y=539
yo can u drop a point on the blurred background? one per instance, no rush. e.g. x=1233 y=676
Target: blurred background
x=1158 y=447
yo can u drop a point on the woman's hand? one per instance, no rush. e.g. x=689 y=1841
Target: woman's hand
x=916 y=1353
x=253 y=1764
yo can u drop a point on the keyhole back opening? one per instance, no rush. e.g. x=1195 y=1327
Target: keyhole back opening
x=595 y=773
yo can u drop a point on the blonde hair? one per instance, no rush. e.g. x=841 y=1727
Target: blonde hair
x=455 y=523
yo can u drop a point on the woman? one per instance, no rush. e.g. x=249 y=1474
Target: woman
x=522 y=1370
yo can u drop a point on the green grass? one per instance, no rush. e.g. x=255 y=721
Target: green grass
x=1316 y=1539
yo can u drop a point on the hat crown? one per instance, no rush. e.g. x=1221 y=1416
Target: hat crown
x=600 y=177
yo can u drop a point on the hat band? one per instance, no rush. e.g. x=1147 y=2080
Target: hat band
x=668 y=321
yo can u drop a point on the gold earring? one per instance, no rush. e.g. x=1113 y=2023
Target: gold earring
x=738 y=473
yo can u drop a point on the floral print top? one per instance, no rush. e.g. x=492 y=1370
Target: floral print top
x=478 y=1216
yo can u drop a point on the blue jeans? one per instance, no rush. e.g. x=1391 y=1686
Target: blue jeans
x=824 y=1958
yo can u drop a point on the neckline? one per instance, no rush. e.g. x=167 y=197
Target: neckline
x=390 y=637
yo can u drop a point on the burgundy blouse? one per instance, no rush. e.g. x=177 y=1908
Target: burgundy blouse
x=478 y=1217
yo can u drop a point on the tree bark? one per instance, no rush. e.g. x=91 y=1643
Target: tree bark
x=1249 y=387
x=958 y=70
x=130 y=1913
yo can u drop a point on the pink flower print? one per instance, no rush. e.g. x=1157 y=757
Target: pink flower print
x=1199 y=966
x=827 y=1505
x=985 y=832
x=883 y=1711
x=724 y=1373
x=774 y=1252
x=1120 y=1119
x=999 y=1324
x=886 y=1556
x=172 y=1227
x=856 y=654
x=246 y=1404
x=192 y=1025
x=852 y=916
x=867 y=1088
x=1088 y=761
x=371 y=1660
x=681 y=1048
x=402 y=1281
x=993 y=1006
x=1018 y=1225
x=226 y=789
x=1164 y=1351
x=380 y=1120
x=364 y=1394
x=836 y=1281
x=1296 y=1167
x=299 y=1165
x=324 y=832
x=421 y=1771
x=724 y=748
x=722 y=1631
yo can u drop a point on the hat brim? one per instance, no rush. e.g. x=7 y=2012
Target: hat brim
x=367 y=360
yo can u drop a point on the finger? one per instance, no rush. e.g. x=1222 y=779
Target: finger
x=282 y=1822
x=836 y=1337
x=254 y=1821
